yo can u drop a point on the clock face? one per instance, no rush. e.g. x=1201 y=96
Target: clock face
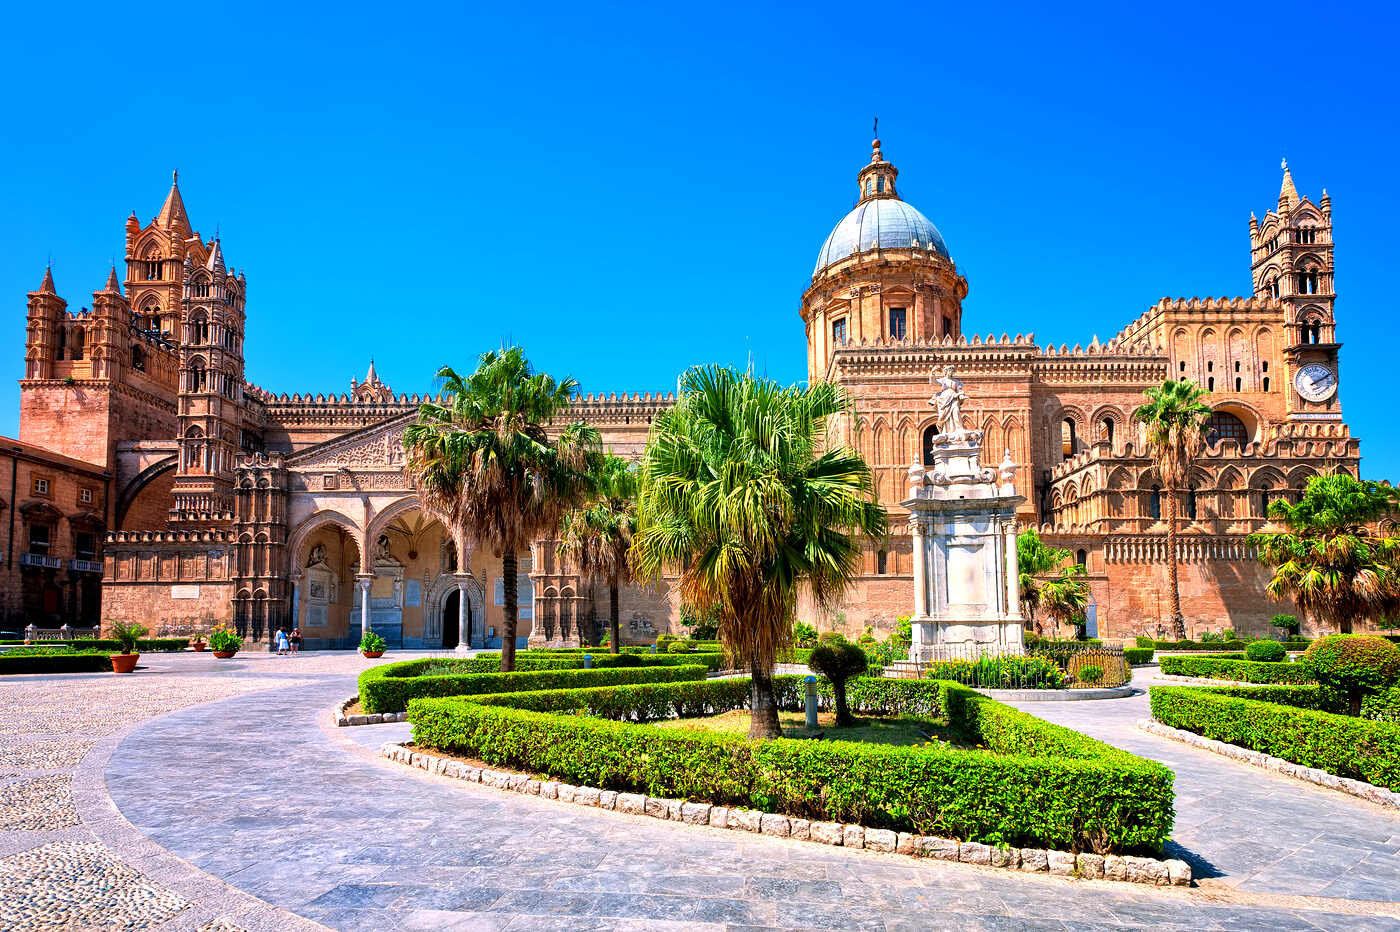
x=1316 y=382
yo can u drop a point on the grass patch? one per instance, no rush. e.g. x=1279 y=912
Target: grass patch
x=901 y=732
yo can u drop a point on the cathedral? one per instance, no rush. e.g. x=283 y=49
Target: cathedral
x=191 y=497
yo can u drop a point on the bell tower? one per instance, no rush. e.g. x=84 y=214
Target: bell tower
x=1292 y=264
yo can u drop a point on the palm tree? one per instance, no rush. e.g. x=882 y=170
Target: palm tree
x=483 y=462
x=1066 y=597
x=741 y=497
x=597 y=536
x=1328 y=561
x=1034 y=559
x=1174 y=417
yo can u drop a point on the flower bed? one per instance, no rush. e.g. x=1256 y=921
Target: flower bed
x=51 y=660
x=1235 y=667
x=1034 y=784
x=389 y=688
x=1291 y=723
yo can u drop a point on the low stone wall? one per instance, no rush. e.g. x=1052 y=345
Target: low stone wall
x=378 y=718
x=1369 y=792
x=1030 y=860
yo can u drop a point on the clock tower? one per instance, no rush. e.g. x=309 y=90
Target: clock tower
x=1292 y=265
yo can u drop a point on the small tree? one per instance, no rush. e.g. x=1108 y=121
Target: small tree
x=1065 y=598
x=838 y=660
x=128 y=633
x=1034 y=559
x=1355 y=664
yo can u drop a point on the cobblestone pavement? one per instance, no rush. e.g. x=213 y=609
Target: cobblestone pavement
x=1245 y=827
x=67 y=858
x=257 y=792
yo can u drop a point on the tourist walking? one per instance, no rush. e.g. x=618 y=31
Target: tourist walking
x=283 y=648
x=296 y=641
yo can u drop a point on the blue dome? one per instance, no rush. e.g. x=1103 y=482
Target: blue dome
x=886 y=222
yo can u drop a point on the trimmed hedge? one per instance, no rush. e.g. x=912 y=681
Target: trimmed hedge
x=1034 y=783
x=1255 y=719
x=112 y=645
x=601 y=658
x=1211 y=646
x=1235 y=667
x=389 y=688
x=59 y=662
x=1138 y=655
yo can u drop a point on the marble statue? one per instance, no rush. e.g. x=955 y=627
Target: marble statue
x=318 y=555
x=948 y=402
x=381 y=549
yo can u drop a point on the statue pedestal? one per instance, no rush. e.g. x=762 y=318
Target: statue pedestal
x=966 y=578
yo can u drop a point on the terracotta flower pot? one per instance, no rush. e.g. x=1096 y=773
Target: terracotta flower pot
x=224 y=654
x=372 y=654
x=199 y=645
x=124 y=663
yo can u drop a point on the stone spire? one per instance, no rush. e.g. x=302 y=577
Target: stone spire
x=370 y=377
x=112 y=283
x=216 y=258
x=47 y=286
x=172 y=214
x=1287 y=194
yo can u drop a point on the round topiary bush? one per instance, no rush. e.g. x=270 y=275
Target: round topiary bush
x=1265 y=652
x=838 y=661
x=1355 y=664
x=679 y=647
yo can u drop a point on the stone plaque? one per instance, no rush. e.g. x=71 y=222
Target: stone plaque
x=184 y=592
x=316 y=616
x=413 y=594
x=965 y=575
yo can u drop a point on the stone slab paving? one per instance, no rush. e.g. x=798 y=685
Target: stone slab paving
x=1248 y=828
x=259 y=793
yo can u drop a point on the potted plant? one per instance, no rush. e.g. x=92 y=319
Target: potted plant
x=197 y=642
x=224 y=642
x=372 y=645
x=127 y=634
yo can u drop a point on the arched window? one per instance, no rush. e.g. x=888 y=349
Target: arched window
x=62 y=342
x=1266 y=383
x=138 y=359
x=1312 y=332
x=153 y=270
x=1082 y=558
x=930 y=433
x=868 y=183
x=1154 y=503
x=1106 y=426
x=1222 y=425
x=1191 y=503
x=1210 y=384
x=79 y=342
x=1067 y=438
x=882 y=563
x=1238 y=383
x=880 y=185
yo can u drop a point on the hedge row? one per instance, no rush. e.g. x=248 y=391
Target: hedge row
x=1033 y=783
x=533 y=660
x=1235 y=667
x=1383 y=706
x=145 y=645
x=1138 y=655
x=66 y=662
x=389 y=688
x=1255 y=719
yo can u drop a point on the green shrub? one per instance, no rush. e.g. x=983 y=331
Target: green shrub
x=679 y=647
x=389 y=688
x=542 y=660
x=1339 y=744
x=371 y=642
x=1266 y=652
x=1009 y=671
x=1034 y=783
x=1143 y=641
x=222 y=638
x=1138 y=655
x=838 y=663
x=1355 y=664
x=664 y=641
x=1383 y=706
x=1089 y=673
x=48 y=660
x=804 y=635
x=1235 y=667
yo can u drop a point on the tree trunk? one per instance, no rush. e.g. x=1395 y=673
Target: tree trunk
x=1178 y=621
x=614 y=641
x=1354 y=703
x=843 y=714
x=509 y=568
x=763 y=704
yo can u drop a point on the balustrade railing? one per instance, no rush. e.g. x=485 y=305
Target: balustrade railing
x=38 y=559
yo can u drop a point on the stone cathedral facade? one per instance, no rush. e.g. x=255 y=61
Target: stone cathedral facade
x=224 y=502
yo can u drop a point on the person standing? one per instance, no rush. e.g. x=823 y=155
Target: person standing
x=296 y=641
x=283 y=648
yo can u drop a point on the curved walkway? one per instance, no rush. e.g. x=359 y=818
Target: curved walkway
x=256 y=792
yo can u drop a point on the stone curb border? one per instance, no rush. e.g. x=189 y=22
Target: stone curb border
x=1058 y=695
x=1367 y=791
x=1030 y=860
x=378 y=718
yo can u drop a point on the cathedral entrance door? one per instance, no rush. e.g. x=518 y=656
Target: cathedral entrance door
x=450 y=610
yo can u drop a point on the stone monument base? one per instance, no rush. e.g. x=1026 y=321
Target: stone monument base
x=965 y=639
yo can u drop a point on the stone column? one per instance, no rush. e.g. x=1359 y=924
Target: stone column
x=464 y=638
x=920 y=567
x=296 y=601
x=1013 y=575
x=365 y=580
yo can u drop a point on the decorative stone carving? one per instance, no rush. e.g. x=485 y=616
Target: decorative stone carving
x=948 y=403
x=318 y=555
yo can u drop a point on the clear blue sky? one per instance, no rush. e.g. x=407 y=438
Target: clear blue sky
x=628 y=191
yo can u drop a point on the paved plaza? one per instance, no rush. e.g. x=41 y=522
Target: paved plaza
x=214 y=795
